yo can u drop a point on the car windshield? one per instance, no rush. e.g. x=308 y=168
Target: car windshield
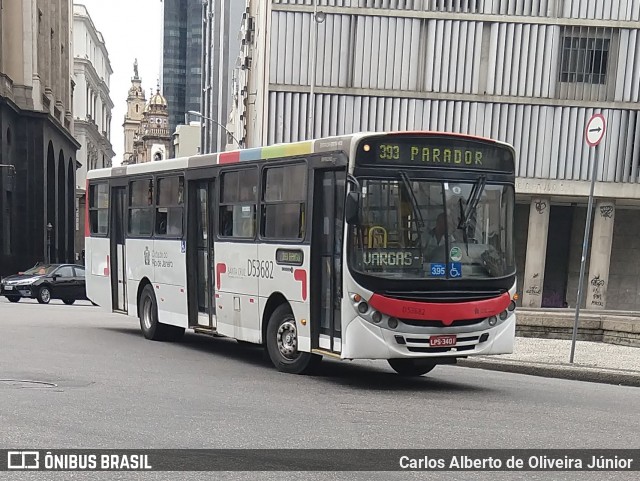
x=41 y=270
x=425 y=229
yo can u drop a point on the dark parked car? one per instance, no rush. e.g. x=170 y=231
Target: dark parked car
x=45 y=282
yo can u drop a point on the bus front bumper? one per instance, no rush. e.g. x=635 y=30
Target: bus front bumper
x=364 y=340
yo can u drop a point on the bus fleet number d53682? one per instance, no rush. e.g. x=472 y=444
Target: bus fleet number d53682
x=258 y=268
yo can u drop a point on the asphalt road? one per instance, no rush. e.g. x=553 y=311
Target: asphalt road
x=111 y=388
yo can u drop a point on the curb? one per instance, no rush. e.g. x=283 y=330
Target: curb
x=559 y=371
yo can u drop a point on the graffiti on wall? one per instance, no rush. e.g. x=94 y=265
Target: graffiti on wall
x=606 y=211
x=597 y=291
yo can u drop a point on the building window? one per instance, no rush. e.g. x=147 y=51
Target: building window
x=141 y=208
x=283 y=209
x=98 y=209
x=584 y=59
x=169 y=206
x=456 y=5
x=238 y=198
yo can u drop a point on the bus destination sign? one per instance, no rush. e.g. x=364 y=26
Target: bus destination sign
x=437 y=152
x=289 y=257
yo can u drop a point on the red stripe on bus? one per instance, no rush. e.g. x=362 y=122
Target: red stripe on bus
x=448 y=313
x=229 y=157
x=87 y=232
x=220 y=269
x=106 y=269
x=300 y=275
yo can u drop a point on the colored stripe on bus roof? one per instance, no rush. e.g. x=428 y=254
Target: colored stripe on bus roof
x=229 y=157
x=250 y=154
x=289 y=150
x=264 y=153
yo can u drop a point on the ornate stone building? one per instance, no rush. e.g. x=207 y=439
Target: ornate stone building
x=92 y=106
x=146 y=126
x=37 y=148
x=136 y=102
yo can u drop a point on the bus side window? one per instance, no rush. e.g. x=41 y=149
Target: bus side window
x=141 y=208
x=98 y=208
x=284 y=202
x=169 y=206
x=238 y=199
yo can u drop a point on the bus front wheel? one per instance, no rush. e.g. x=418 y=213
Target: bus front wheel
x=151 y=327
x=282 y=344
x=411 y=367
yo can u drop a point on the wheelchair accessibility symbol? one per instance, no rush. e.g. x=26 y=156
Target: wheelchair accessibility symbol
x=455 y=270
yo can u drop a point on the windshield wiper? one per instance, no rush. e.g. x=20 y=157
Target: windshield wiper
x=414 y=201
x=467 y=212
x=414 y=205
x=472 y=202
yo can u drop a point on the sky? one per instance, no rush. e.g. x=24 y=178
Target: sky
x=131 y=29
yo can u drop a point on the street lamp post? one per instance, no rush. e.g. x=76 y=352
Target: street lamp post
x=318 y=18
x=48 y=253
x=202 y=117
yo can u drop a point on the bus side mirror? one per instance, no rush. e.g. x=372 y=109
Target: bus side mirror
x=352 y=208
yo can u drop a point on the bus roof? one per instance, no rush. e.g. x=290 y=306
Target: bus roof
x=328 y=144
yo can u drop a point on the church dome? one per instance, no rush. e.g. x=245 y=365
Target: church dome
x=157 y=100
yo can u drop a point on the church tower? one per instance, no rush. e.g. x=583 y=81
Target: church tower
x=153 y=139
x=136 y=102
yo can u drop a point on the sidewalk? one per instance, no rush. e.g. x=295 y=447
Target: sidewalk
x=593 y=361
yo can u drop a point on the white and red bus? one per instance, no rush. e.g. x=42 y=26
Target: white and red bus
x=395 y=246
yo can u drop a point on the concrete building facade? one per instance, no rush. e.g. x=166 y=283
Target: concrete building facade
x=528 y=72
x=92 y=107
x=37 y=189
x=186 y=140
x=221 y=32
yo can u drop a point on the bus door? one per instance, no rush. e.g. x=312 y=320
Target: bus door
x=118 y=251
x=326 y=252
x=202 y=256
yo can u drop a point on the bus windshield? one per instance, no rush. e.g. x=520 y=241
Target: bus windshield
x=430 y=229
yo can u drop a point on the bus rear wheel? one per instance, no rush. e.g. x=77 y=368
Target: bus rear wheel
x=411 y=367
x=282 y=344
x=151 y=327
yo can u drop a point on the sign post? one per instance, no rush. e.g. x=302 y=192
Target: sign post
x=593 y=136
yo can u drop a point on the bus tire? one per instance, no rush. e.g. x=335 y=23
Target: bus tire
x=411 y=367
x=151 y=328
x=282 y=342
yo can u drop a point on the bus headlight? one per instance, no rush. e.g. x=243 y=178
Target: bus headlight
x=512 y=306
x=504 y=315
x=393 y=322
x=363 y=307
x=376 y=317
x=493 y=320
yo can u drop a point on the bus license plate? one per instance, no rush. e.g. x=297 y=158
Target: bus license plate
x=439 y=341
x=8 y=288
